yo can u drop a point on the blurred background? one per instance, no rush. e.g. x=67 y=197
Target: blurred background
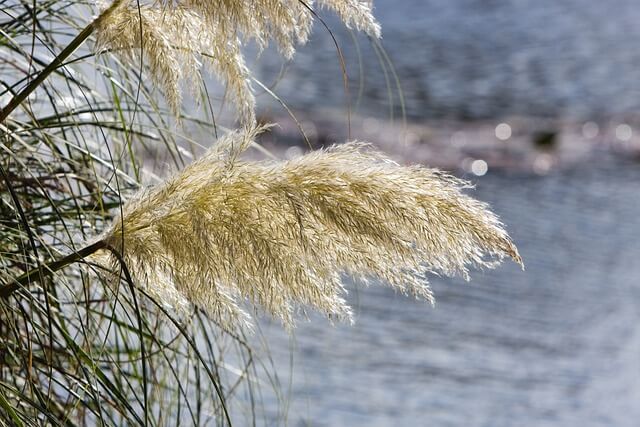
x=537 y=103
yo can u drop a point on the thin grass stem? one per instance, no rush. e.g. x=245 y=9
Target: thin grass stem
x=46 y=270
x=78 y=41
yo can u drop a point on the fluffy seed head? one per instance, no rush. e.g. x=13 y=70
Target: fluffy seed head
x=176 y=37
x=358 y=14
x=282 y=234
x=174 y=44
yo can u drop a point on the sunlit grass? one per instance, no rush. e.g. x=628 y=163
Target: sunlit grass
x=74 y=350
x=87 y=122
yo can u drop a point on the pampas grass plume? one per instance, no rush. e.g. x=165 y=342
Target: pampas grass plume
x=174 y=45
x=175 y=38
x=281 y=234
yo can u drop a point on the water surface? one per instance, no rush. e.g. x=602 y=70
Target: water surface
x=558 y=344
x=479 y=59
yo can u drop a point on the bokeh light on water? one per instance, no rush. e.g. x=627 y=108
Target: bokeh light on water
x=503 y=131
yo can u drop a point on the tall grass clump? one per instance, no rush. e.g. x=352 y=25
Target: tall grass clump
x=125 y=298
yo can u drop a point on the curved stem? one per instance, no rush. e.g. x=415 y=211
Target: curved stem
x=33 y=84
x=46 y=270
x=57 y=62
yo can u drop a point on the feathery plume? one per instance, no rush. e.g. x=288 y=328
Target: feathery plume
x=175 y=37
x=281 y=234
x=355 y=13
x=174 y=43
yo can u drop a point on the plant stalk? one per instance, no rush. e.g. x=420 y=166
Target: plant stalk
x=46 y=270
x=57 y=62
x=33 y=84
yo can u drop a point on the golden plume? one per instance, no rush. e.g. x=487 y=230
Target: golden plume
x=281 y=234
x=176 y=37
x=174 y=44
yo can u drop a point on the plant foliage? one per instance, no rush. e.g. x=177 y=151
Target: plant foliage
x=122 y=298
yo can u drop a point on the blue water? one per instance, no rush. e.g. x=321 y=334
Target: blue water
x=556 y=345
x=478 y=59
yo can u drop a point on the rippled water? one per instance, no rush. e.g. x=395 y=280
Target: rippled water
x=478 y=59
x=558 y=344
